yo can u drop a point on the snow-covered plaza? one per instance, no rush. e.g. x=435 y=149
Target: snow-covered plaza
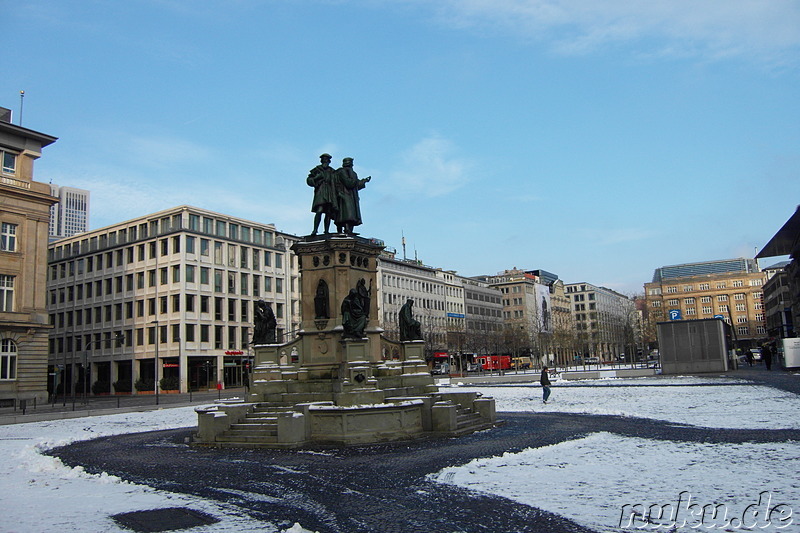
x=591 y=480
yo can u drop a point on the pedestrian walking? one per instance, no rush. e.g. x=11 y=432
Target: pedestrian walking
x=766 y=355
x=545 y=381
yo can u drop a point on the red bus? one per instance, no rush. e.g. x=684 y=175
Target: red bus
x=494 y=362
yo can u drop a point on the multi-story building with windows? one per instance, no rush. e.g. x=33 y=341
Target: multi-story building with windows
x=787 y=242
x=400 y=280
x=778 y=302
x=167 y=295
x=527 y=310
x=71 y=214
x=24 y=219
x=483 y=315
x=729 y=289
x=605 y=320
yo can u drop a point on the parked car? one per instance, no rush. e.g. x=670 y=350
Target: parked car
x=441 y=368
x=592 y=360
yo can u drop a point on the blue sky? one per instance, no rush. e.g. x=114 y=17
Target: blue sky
x=595 y=139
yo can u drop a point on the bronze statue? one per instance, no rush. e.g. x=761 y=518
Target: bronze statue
x=354 y=316
x=265 y=327
x=321 y=309
x=410 y=329
x=325 y=202
x=348 y=214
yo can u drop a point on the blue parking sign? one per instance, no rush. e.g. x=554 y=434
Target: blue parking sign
x=674 y=314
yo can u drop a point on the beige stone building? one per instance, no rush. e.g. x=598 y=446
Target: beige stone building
x=24 y=218
x=176 y=287
x=731 y=289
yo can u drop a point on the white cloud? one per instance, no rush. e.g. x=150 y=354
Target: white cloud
x=429 y=168
x=768 y=30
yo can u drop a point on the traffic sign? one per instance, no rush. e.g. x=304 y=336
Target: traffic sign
x=674 y=314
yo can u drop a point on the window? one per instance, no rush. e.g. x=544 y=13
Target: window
x=722 y=298
x=704 y=286
x=743 y=330
x=176 y=274
x=756 y=282
x=6 y=293
x=8 y=237
x=721 y=285
x=741 y=308
x=707 y=310
x=688 y=301
x=738 y=283
x=204 y=247
x=190 y=273
x=190 y=244
x=204 y=275
x=687 y=288
x=189 y=332
x=672 y=289
x=705 y=300
x=278 y=261
x=9 y=162
x=672 y=302
x=278 y=285
x=8 y=359
x=690 y=311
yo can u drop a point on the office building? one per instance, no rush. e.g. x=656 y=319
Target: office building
x=70 y=215
x=605 y=321
x=23 y=265
x=167 y=295
x=731 y=290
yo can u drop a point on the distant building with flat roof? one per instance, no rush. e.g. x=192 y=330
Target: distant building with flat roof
x=70 y=215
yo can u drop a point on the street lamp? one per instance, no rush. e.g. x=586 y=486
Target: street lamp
x=155 y=367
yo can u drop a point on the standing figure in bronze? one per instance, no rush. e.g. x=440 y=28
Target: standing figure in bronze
x=325 y=202
x=348 y=214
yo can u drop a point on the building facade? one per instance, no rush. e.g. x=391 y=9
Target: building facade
x=527 y=311
x=168 y=295
x=403 y=279
x=604 y=321
x=729 y=289
x=71 y=214
x=787 y=242
x=24 y=219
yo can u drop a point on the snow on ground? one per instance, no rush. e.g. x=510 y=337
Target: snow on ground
x=743 y=406
x=590 y=480
x=587 y=480
x=40 y=493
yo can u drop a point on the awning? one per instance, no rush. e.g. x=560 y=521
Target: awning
x=786 y=240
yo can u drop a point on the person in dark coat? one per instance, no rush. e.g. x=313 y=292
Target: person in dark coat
x=766 y=355
x=545 y=381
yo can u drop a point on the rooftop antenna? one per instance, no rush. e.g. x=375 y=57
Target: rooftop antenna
x=404 y=245
x=21 y=100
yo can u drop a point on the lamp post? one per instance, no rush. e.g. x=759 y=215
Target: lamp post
x=155 y=367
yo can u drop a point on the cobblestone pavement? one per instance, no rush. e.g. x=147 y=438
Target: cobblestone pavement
x=380 y=488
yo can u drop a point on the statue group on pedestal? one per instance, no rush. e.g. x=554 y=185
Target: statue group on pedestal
x=336 y=195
